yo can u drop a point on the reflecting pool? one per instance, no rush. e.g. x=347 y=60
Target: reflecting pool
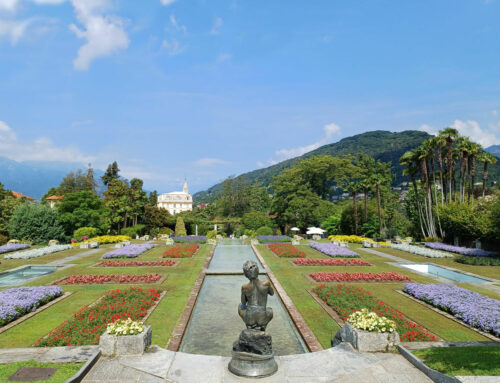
x=232 y=257
x=16 y=277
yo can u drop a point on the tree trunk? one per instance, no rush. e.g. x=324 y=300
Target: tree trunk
x=355 y=208
x=125 y=219
x=379 y=211
x=472 y=176
x=485 y=176
x=419 y=207
x=440 y=165
x=450 y=166
x=365 y=213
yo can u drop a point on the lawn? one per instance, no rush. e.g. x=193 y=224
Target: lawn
x=296 y=285
x=63 y=373
x=178 y=284
x=462 y=361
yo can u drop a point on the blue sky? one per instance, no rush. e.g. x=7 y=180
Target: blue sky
x=205 y=89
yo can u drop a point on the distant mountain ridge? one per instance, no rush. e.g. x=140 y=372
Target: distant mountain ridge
x=34 y=179
x=381 y=144
x=494 y=149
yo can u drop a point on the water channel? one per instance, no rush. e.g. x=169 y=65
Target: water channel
x=215 y=324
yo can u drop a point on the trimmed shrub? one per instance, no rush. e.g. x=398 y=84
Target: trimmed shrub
x=88 y=232
x=180 y=228
x=264 y=230
x=132 y=231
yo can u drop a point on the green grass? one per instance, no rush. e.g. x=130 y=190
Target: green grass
x=296 y=285
x=459 y=361
x=486 y=271
x=63 y=373
x=179 y=283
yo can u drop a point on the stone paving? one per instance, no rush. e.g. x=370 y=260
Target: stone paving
x=76 y=354
x=60 y=262
x=339 y=364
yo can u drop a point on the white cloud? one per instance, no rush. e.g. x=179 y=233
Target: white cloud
x=176 y=25
x=330 y=130
x=428 y=129
x=105 y=35
x=166 y=3
x=41 y=149
x=494 y=113
x=472 y=130
x=224 y=57
x=172 y=46
x=13 y=30
x=209 y=162
x=216 y=27
x=9 y=5
x=48 y=2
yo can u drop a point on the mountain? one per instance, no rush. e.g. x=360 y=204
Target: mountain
x=382 y=145
x=494 y=149
x=34 y=179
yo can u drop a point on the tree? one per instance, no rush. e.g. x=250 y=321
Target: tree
x=8 y=204
x=138 y=199
x=155 y=218
x=117 y=200
x=82 y=209
x=37 y=223
x=255 y=219
x=381 y=179
x=449 y=134
x=111 y=173
x=180 y=229
x=487 y=158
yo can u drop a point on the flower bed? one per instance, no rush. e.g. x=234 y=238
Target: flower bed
x=167 y=262
x=459 y=249
x=421 y=251
x=286 y=250
x=333 y=250
x=350 y=238
x=18 y=301
x=107 y=279
x=13 y=247
x=87 y=325
x=190 y=239
x=182 y=251
x=476 y=310
x=274 y=238
x=331 y=262
x=35 y=253
x=103 y=239
x=346 y=300
x=354 y=277
x=369 y=321
x=129 y=251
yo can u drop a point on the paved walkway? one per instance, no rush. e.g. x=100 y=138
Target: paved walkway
x=60 y=262
x=339 y=364
x=77 y=354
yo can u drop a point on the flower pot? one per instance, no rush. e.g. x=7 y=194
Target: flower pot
x=366 y=341
x=117 y=345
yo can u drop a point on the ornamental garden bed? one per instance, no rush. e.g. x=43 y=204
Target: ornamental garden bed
x=286 y=250
x=459 y=249
x=333 y=250
x=358 y=277
x=87 y=325
x=182 y=251
x=129 y=251
x=165 y=263
x=468 y=307
x=273 y=238
x=20 y=303
x=345 y=300
x=106 y=279
x=199 y=239
x=35 y=253
x=418 y=250
x=13 y=247
x=329 y=262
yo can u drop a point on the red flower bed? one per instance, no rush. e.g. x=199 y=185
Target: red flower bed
x=87 y=325
x=331 y=262
x=185 y=250
x=352 y=277
x=346 y=300
x=168 y=262
x=286 y=250
x=110 y=278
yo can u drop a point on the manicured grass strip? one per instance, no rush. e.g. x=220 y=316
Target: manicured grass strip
x=462 y=361
x=63 y=373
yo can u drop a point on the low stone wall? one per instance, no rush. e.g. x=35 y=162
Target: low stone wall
x=366 y=341
x=118 y=345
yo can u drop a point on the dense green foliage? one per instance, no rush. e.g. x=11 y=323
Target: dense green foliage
x=180 y=228
x=88 y=232
x=255 y=219
x=82 y=209
x=8 y=204
x=36 y=223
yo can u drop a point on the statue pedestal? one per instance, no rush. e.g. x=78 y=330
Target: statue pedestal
x=253 y=355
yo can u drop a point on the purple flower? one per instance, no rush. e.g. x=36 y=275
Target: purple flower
x=130 y=251
x=459 y=249
x=333 y=250
x=274 y=238
x=13 y=247
x=190 y=239
x=19 y=301
x=476 y=310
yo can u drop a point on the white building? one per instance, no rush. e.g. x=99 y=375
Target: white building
x=176 y=202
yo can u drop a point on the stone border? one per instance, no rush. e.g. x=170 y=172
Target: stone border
x=305 y=331
x=152 y=308
x=31 y=314
x=96 y=266
x=336 y=317
x=158 y=282
x=312 y=280
x=80 y=375
x=435 y=376
x=449 y=316
x=174 y=343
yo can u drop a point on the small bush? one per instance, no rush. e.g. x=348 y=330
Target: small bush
x=432 y=239
x=211 y=234
x=180 y=228
x=88 y=232
x=132 y=231
x=479 y=261
x=3 y=239
x=264 y=230
x=166 y=231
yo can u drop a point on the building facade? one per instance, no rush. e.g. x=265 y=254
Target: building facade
x=176 y=202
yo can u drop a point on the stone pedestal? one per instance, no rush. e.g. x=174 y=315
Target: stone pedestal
x=253 y=355
x=366 y=341
x=117 y=345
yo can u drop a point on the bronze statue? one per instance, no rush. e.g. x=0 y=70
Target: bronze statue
x=252 y=308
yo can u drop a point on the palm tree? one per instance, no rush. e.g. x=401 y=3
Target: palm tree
x=449 y=134
x=439 y=143
x=487 y=158
x=475 y=150
x=381 y=178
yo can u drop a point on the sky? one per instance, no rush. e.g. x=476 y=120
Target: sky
x=200 y=89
